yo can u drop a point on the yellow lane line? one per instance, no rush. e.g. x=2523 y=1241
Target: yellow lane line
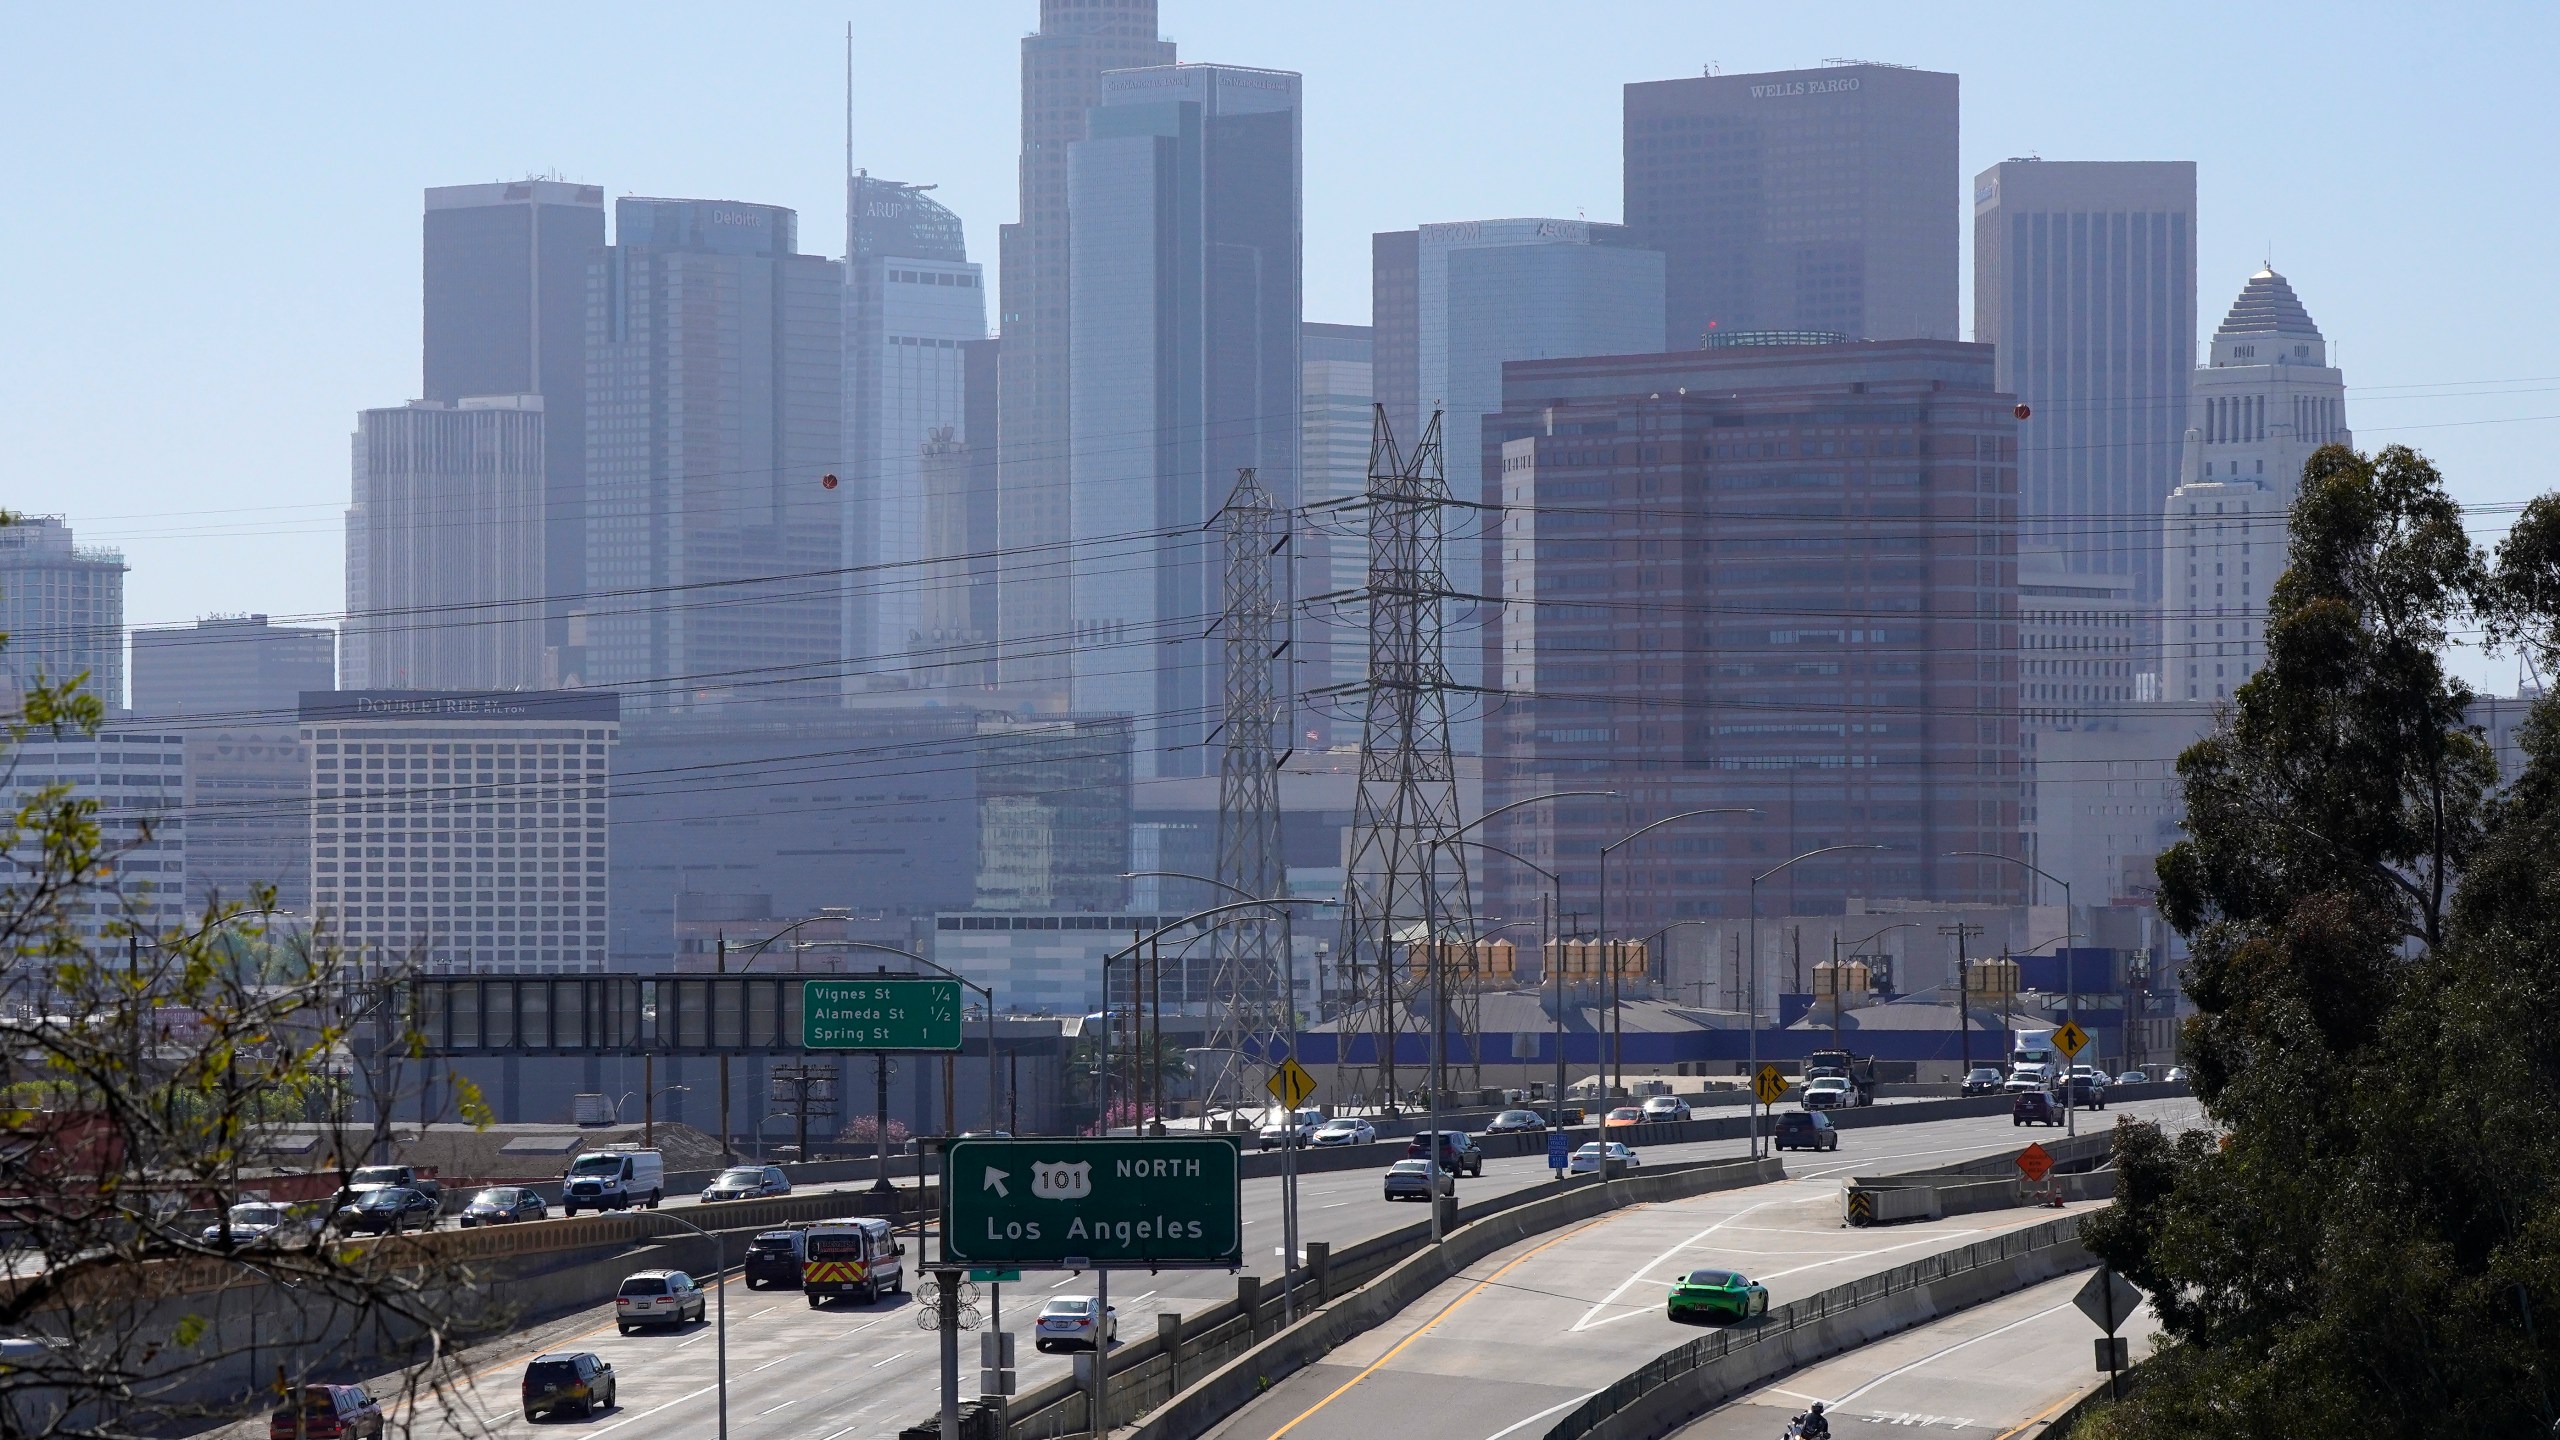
x=1480 y=1287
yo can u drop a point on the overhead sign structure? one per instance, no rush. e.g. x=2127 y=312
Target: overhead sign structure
x=1291 y=1085
x=2035 y=1162
x=2070 y=1039
x=888 y=1014
x=1769 y=1085
x=1082 y=1204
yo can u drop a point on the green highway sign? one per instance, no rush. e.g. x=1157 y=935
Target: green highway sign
x=1080 y=1204
x=880 y=1014
x=996 y=1277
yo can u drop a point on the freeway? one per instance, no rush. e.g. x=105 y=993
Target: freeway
x=823 y=1374
x=1529 y=1331
x=1996 y=1370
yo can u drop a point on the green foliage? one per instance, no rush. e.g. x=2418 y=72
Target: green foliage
x=2375 y=934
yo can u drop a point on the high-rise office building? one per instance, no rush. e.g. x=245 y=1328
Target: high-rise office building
x=136 y=774
x=447 y=547
x=1817 y=200
x=506 y=314
x=230 y=668
x=62 y=609
x=1333 y=460
x=913 y=304
x=715 y=393
x=1728 y=580
x=2265 y=399
x=956 y=609
x=2084 y=279
x=1184 y=369
x=232 y=687
x=1062 y=69
x=462 y=831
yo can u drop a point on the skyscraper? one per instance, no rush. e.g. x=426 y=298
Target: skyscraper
x=506 y=314
x=2265 y=399
x=446 y=547
x=715 y=385
x=956 y=610
x=62 y=609
x=1062 y=68
x=1811 y=200
x=231 y=668
x=1333 y=456
x=1183 y=365
x=912 y=305
x=232 y=686
x=2084 y=278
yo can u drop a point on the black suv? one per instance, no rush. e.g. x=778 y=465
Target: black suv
x=1459 y=1154
x=1806 y=1130
x=570 y=1380
x=773 y=1258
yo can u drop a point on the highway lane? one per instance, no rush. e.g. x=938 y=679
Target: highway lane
x=1986 y=1373
x=810 y=1375
x=1531 y=1330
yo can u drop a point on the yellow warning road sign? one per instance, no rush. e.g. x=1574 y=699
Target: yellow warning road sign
x=1291 y=1084
x=2070 y=1039
x=1769 y=1085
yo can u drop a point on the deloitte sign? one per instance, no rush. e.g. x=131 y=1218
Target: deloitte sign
x=1091 y=1204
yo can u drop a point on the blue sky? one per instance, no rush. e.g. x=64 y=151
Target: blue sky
x=209 y=259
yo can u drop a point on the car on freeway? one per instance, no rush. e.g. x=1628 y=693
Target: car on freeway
x=1586 y=1158
x=2086 y=1092
x=984 y=1135
x=2177 y=1075
x=1411 y=1180
x=1717 y=1295
x=1981 y=1080
x=266 y=1223
x=505 y=1205
x=1574 y=1115
x=392 y=1208
x=1344 y=1130
x=773 y=1258
x=579 y=1381
x=1067 y=1323
x=327 y=1412
x=1291 y=1127
x=1625 y=1117
x=658 y=1297
x=1515 y=1122
x=1807 y=1130
x=1660 y=1108
x=1459 y=1153
x=2025 y=1078
x=2035 y=1107
x=2133 y=1077
x=747 y=1182
x=1831 y=1092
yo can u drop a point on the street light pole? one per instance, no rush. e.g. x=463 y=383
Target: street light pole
x=1608 y=948
x=1758 y=1106
x=720 y=1272
x=2070 y=980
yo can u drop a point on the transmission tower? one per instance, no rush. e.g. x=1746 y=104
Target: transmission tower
x=1251 y=990
x=1396 y=890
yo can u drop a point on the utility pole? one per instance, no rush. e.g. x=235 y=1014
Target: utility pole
x=720 y=966
x=1964 y=999
x=1255 y=1024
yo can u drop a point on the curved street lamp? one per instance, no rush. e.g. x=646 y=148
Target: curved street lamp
x=720 y=966
x=880 y=1118
x=1608 y=952
x=1853 y=954
x=1757 y=1107
x=2070 y=979
x=1554 y=918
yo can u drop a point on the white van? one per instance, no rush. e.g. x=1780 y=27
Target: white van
x=614 y=1180
x=860 y=1259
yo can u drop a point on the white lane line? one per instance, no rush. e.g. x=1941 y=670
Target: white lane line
x=837 y=1435
x=645 y=1414
x=1336 y=1205
x=1518 y=1424
x=878 y=1363
x=1949 y=1350
x=696 y=1340
x=1664 y=1258
x=776 y=1360
x=1061 y=1280
x=777 y=1407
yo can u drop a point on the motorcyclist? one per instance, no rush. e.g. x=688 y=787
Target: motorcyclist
x=1811 y=1426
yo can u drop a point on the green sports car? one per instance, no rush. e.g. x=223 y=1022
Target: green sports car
x=1718 y=1295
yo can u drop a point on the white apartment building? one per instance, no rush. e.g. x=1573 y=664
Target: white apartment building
x=2266 y=400
x=138 y=777
x=462 y=831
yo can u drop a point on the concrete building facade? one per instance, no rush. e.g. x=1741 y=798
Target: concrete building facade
x=137 y=775
x=62 y=607
x=1805 y=200
x=234 y=669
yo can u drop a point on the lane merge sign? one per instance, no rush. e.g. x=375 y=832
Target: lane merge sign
x=2070 y=1039
x=888 y=1014
x=1087 y=1204
x=1290 y=1084
x=1769 y=1085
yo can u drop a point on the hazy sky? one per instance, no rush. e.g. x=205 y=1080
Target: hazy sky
x=209 y=253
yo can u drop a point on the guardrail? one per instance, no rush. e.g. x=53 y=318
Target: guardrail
x=1625 y=1398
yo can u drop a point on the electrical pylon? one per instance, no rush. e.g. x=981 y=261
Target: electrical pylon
x=1397 y=891
x=1250 y=994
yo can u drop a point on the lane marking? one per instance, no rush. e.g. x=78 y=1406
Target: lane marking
x=777 y=1407
x=1622 y=1287
x=1950 y=1350
x=878 y=1363
x=1534 y=1419
x=1445 y=1311
x=645 y=1414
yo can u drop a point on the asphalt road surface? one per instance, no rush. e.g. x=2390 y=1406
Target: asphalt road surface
x=802 y=1374
x=1989 y=1373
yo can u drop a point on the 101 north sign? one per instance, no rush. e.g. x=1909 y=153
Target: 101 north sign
x=1092 y=1204
x=880 y=1015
